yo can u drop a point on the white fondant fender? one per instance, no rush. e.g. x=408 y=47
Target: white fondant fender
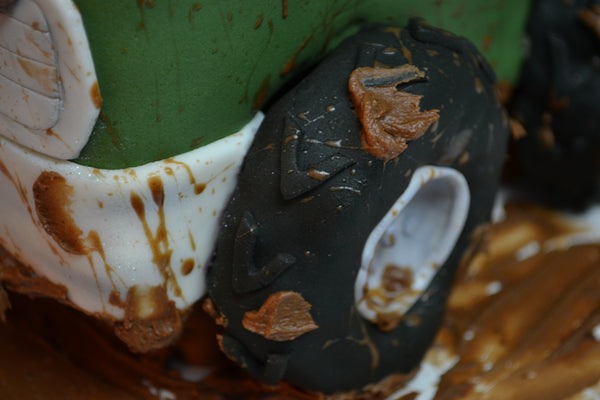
x=415 y=237
x=147 y=226
x=50 y=97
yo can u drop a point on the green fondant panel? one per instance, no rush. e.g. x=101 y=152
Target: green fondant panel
x=178 y=74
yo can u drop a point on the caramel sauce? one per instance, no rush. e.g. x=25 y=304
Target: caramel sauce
x=284 y=9
x=187 y=266
x=290 y=64
x=261 y=94
x=45 y=77
x=396 y=279
x=198 y=187
x=5 y=172
x=22 y=192
x=95 y=95
x=158 y=240
x=318 y=175
x=52 y=196
x=192 y=241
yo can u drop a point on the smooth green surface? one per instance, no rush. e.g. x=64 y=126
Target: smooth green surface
x=178 y=74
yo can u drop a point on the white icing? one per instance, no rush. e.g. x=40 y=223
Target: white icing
x=101 y=202
x=47 y=78
x=493 y=288
x=529 y=250
x=418 y=234
x=596 y=333
x=426 y=381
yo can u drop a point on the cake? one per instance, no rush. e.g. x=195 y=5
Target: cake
x=123 y=219
x=104 y=205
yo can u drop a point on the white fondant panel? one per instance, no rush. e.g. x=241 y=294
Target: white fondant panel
x=39 y=77
x=73 y=87
x=29 y=108
x=25 y=40
x=28 y=13
x=124 y=227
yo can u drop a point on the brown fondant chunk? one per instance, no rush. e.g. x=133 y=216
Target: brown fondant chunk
x=283 y=316
x=151 y=320
x=389 y=117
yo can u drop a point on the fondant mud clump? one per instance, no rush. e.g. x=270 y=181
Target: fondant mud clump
x=378 y=164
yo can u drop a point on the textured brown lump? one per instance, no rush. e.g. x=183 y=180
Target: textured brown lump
x=284 y=316
x=389 y=117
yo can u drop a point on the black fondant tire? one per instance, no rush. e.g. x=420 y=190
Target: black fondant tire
x=309 y=195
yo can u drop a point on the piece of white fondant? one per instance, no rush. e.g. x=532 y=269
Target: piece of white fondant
x=50 y=98
x=416 y=236
x=146 y=226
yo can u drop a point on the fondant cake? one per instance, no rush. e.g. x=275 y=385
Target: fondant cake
x=368 y=158
x=124 y=126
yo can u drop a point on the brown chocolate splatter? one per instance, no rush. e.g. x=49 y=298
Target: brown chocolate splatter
x=317 y=174
x=389 y=117
x=4 y=171
x=283 y=316
x=151 y=320
x=158 y=240
x=187 y=266
x=46 y=77
x=52 y=196
x=396 y=279
x=198 y=187
x=261 y=94
x=95 y=95
x=290 y=64
x=258 y=22
x=284 y=11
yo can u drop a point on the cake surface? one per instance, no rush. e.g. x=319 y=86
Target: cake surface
x=126 y=232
